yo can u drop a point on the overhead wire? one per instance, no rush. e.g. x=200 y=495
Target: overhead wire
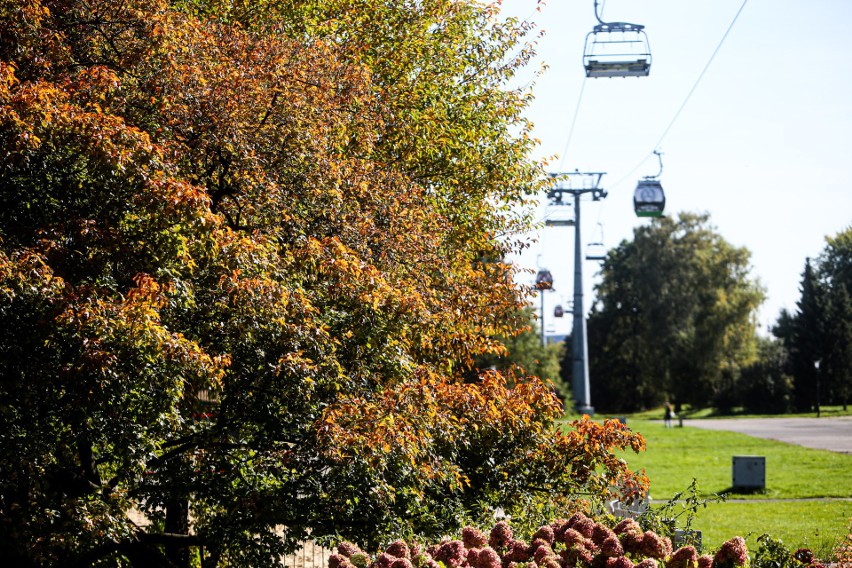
x=686 y=99
x=573 y=124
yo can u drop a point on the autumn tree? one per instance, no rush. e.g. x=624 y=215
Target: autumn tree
x=675 y=317
x=249 y=254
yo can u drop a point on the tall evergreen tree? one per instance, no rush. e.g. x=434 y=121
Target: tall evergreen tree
x=838 y=346
x=835 y=273
x=806 y=347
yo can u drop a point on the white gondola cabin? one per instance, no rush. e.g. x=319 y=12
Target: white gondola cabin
x=616 y=49
x=595 y=251
x=558 y=213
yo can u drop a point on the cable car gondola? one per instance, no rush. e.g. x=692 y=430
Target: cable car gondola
x=558 y=213
x=596 y=250
x=616 y=49
x=649 y=200
x=544 y=280
x=558 y=311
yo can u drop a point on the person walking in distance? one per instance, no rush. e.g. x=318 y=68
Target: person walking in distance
x=668 y=416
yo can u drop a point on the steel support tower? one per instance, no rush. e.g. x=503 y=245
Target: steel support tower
x=578 y=184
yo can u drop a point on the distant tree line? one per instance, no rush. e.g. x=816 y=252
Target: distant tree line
x=675 y=320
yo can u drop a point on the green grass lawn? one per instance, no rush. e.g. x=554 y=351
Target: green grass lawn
x=815 y=480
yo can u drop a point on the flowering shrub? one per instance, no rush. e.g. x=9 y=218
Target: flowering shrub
x=843 y=552
x=578 y=542
x=772 y=553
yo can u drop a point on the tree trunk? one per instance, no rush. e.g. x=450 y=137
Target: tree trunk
x=177 y=522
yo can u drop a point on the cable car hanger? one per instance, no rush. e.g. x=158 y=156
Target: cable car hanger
x=649 y=199
x=616 y=49
x=596 y=250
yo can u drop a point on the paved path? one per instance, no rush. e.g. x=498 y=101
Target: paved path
x=833 y=434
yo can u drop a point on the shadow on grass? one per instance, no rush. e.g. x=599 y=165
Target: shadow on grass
x=731 y=491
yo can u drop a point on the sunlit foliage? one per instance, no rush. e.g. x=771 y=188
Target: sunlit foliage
x=248 y=256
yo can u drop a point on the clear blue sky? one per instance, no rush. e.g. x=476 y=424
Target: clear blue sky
x=764 y=145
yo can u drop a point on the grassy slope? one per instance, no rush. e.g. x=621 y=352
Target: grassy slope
x=677 y=455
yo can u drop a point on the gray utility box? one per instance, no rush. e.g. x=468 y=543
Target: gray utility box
x=684 y=537
x=749 y=472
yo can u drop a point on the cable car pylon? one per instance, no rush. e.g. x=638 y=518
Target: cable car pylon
x=578 y=184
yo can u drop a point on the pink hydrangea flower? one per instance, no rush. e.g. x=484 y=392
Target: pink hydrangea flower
x=452 y=553
x=545 y=533
x=653 y=546
x=473 y=538
x=632 y=539
x=619 y=562
x=732 y=553
x=577 y=554
x=585 y=527
x=602 y=532
x=705 y=561
x=611 y=547
x=384 y=560
x=647 y=563
x=335 y=559
x=684 y=557
x=500 y=536
x=559 y=527
x=473 y=556
x=518 y=551
x=575 y=518
x=488 y=558
x=402 y=563
x=626 y=524
x=542 y=552
x=586 y=556
x=399 y=549
x=571 y=537
x=537 y=543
